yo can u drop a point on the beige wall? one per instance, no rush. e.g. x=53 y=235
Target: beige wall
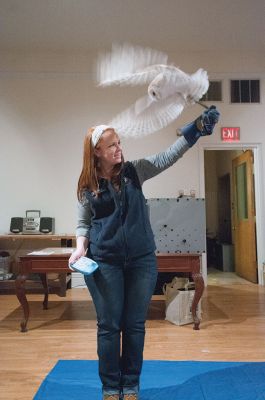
x=48 y=101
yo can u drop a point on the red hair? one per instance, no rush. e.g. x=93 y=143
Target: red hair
x=89 y=175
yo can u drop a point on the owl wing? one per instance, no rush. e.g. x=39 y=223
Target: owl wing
x=129 y=65
x=154 y=115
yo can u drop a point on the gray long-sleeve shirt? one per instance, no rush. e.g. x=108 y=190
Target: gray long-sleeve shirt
x=146 y=168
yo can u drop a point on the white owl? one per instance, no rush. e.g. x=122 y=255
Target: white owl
x=169 y=88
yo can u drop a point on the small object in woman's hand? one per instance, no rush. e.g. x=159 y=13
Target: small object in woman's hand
x=84 y=265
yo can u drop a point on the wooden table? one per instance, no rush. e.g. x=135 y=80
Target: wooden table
x=57 y=262
x=18 y=245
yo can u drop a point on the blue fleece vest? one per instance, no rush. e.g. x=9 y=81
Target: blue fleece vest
x=120 y=226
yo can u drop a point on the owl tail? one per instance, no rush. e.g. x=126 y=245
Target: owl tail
x=199 y=84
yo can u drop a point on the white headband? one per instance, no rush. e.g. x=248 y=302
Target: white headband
x=98 y=130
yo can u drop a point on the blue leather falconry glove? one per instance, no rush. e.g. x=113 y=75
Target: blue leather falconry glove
x=202 y=126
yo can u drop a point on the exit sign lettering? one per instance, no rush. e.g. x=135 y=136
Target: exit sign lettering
x=230 y=134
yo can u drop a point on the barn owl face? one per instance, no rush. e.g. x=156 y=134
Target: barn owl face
x=162 y=86
x=155 y=88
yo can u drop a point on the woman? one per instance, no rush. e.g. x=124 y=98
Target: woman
x=114 y=227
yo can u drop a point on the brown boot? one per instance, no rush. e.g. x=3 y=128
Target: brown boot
x=130 y=396
x=111 y=397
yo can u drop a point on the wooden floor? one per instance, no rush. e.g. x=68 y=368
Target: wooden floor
x=233 y=329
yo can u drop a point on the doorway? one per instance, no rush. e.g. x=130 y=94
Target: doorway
x=230 y=216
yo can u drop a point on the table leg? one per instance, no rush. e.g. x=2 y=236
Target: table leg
x=20 y=292
x=63 y=285
x=199 y=288
x=44 y=281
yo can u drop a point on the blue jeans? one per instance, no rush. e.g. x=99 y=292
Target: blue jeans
x=121 y=293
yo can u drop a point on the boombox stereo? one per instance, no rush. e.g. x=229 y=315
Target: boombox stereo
x=32 y=224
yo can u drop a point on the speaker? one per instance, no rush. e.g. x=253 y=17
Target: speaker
x=47 y=225
x=16 y=225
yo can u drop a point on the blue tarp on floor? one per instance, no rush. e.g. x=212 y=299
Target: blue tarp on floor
x=161 y=380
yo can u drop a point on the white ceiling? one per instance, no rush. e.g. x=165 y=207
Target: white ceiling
x=169 y=25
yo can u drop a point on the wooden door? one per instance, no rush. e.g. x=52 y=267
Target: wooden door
x=244 y=217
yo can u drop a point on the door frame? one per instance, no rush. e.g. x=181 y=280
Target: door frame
x=259 y=200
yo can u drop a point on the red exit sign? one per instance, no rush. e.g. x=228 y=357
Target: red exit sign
x=230 y=134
